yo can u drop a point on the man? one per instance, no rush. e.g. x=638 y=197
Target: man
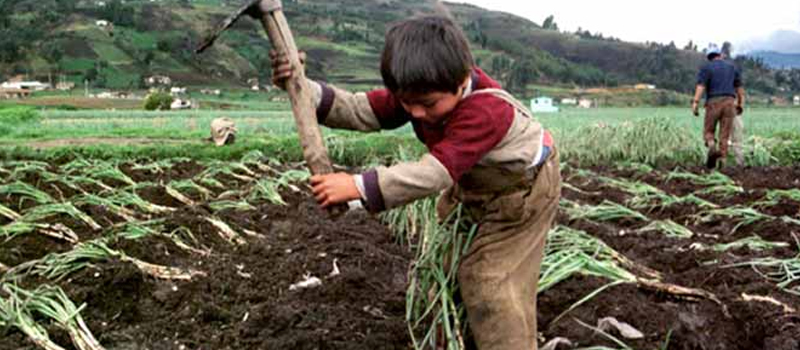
x=722 y=84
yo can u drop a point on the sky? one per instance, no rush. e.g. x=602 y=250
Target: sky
x=765 y=24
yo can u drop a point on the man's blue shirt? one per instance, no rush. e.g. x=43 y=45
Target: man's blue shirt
x=721 y=78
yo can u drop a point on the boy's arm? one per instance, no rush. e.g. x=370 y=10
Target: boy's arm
x=479 y=126
x=337 y=108
x=389 y=187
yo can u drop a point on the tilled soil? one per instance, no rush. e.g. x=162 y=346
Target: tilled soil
x=737 y=321
x=241 y=297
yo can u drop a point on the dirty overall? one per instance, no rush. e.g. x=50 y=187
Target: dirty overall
x=498 y=275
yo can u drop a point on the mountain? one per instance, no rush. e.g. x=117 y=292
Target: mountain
x=343 y=39
x=777 y=60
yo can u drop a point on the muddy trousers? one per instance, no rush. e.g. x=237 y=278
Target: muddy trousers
x=720 y=110
x=498 y=275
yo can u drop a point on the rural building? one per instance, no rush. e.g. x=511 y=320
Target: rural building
x=585 y=103
x=254 y=84
x=113 y=95
x=569 y=101
x=215 y=92
x=180 y=104
x=644 y=87
x=25 y=85
x=177 y=90
x=543 y=105
x=65 y=86
x=158 y=80
x=779 y=101
x=102 y=23
x=797 y=100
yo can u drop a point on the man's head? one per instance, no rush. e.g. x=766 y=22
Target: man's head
x=713 y=52
x=426 y=62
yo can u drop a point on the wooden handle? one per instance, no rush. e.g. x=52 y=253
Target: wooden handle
x=305 y=115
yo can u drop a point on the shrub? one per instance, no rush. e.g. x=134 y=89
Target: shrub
x=18 y=115
x=158 y=101
x=13 y=116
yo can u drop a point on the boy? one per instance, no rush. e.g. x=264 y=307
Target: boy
x=485 y=150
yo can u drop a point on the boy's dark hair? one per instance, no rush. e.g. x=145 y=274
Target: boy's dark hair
x=713 y=56
x=425 y=54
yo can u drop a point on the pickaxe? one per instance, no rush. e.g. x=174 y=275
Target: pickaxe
x=270 y=13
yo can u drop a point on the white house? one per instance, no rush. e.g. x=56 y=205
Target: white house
x=158 y=80
x=797 y=100
x=180 y=104
x=65 y=86
x=543 y=105
x=585 y=103
x=177 y=90
x=101 y=23
x=25 y=85
x=569 y=101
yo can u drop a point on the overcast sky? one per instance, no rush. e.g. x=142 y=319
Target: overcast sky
x=764 y=24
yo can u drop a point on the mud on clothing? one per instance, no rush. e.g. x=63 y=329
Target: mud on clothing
x=495 y=159
x=483 y=137
x=720 y=110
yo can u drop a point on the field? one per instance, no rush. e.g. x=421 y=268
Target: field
x=138 y=234
x=180 y=253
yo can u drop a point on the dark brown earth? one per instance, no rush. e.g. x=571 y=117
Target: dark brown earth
x=678 y=323
x=244 y=301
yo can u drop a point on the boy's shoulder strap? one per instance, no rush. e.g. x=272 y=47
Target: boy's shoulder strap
x=505 y=96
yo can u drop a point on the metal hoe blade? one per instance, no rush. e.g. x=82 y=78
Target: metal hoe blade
x=227 y=23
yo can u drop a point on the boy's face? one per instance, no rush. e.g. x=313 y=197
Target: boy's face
x=431 y=107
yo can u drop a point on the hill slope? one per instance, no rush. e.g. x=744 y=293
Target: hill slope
x=777 y=59
x=342 y=37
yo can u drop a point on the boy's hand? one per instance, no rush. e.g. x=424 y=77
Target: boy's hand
x=739 y=109
x=281 y=68
x=695 y=108
x=335 y=188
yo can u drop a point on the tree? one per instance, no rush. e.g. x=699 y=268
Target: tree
x=158 y=101
x=550 y=23
x=52 y=52
x=523 y=72
x=727 y=48
x=148 y=58
x=119 y=13
x=10 y=46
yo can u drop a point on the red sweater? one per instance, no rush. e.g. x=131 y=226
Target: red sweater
x=472 y=129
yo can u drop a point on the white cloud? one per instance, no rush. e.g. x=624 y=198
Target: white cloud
x=781 y=41
x=677 y=20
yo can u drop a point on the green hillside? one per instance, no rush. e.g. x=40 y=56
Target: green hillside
x=342 y=37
